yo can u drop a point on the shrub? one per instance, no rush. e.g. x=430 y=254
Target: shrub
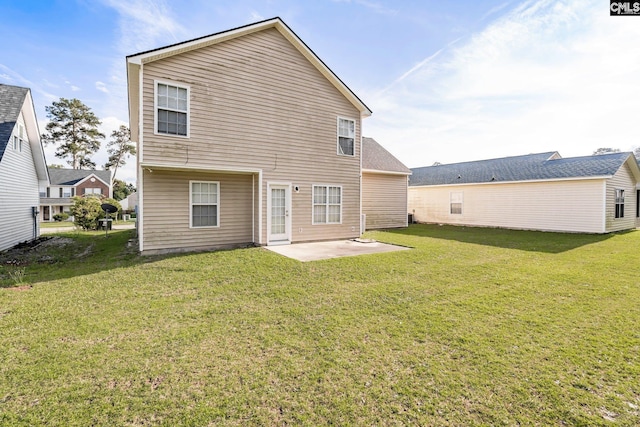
x=86 y=211
x=61 y=217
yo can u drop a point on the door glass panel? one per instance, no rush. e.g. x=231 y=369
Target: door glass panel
x=278 y=204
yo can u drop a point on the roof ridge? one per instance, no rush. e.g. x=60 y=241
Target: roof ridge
x=488 y=160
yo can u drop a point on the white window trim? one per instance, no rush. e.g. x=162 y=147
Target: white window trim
x=461 y=202
x=355 y=132
x=84 y=190
x=313 y=188
x=191 y=204
x=155 y=108
x=616 y=203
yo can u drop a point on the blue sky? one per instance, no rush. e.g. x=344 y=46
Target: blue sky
x=447 y=81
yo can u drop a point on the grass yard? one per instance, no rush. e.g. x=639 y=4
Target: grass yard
x=57 y=224
x=472 y=327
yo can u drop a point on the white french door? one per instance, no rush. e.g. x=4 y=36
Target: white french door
x=279 y=214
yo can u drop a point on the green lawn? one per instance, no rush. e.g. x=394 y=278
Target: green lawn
x=56 y=224
x=472 y=327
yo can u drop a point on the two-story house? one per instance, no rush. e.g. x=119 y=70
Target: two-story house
x=243 y=136
x=22 y=166
x=56 y=197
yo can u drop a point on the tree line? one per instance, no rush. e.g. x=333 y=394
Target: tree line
x=73 y=129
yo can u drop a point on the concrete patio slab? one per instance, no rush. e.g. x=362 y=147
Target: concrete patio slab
x=326 y=250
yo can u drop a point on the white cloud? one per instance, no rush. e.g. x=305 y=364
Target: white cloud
x=143 y=23
x=255 y=16
x=73 y=87
x=549 y=75
x=102 y=87
x=16 y=78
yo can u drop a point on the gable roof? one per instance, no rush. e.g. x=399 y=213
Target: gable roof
x=135 y=61
x=377 y=159
x=11 y=102
x=530 y=167
x=60 y=176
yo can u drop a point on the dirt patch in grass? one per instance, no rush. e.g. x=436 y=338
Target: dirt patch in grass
x=21 y=288
x=41 y=250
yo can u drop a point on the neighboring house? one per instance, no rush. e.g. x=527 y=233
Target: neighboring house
x=243 y=136
x=592 y=194
x=384 y=187
x=66 y=183
x=22 y=167
x=130 y=202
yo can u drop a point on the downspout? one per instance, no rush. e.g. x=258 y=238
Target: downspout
x=34 y=215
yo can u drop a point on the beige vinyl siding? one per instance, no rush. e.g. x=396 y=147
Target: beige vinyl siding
x=257 y=103
x=384 y=200
x=18 y=193
x=166 y=211
x=623 y=179
x=572 y=206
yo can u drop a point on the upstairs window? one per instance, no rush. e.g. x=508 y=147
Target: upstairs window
x=91 y=190
x=172 y=109
x=619 y=203
x=18 y=140
x=20 y=137
x=346 y=137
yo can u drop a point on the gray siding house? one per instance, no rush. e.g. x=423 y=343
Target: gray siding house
x=22 y=167
x=590 y=194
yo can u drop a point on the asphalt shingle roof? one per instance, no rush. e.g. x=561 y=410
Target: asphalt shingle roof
x=374 y=156
x=73 y=176
x=519 y=168
x=11 y=101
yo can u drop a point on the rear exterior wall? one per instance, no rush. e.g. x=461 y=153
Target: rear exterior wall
x=255 y=103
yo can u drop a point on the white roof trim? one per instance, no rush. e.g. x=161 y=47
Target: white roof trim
x=578 y=178
x=33 y=134
x=385 y=172
x=89 y=176
x=277 y=23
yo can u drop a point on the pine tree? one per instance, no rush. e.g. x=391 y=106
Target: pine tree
x=120 y=147
x=73 y=128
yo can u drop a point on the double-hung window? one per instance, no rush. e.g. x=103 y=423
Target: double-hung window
x=619 y=203
x=172 y=109
x=346 y=136
x=455 y=201
x=96 y=190
x=327 y=204
x=205 y=201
